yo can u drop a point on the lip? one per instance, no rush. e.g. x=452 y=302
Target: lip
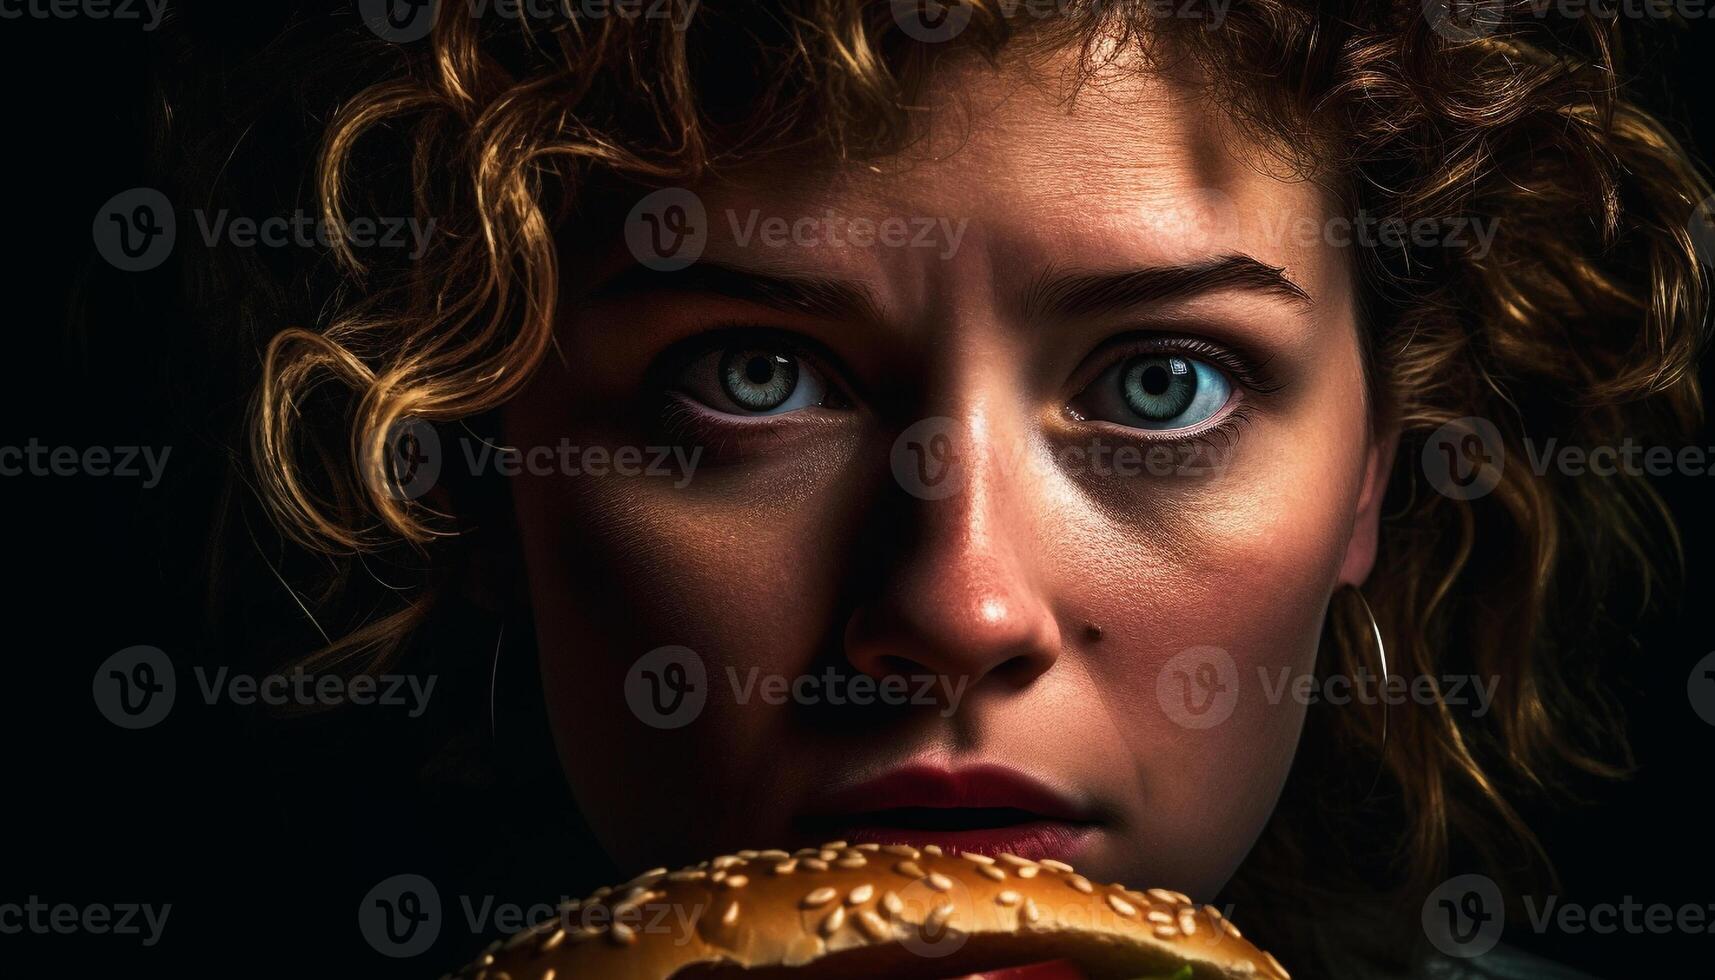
x=987 y=809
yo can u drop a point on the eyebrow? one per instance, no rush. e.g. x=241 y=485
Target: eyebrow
x=1055 y=294
x=1090 y=294
x=834 y=299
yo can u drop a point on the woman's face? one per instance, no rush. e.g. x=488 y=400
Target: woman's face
x=988 y=502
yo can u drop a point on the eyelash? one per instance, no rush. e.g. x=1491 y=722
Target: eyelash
x=681 y=417
x=1249 y=373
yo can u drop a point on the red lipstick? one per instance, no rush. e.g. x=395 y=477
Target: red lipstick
x=986 y=809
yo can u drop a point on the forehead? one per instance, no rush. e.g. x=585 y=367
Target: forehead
x=1052 y=166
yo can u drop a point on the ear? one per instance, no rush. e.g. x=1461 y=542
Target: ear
x=1366 y=524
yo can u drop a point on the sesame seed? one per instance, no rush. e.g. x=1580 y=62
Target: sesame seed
x=934 y=849
x=891 y=902
x=737 y=881
x=1180 y=897
x=828 y=854
x=1031 y=912
x=689 y=874
x=718 y=877
x=940 y=882
x=725 y=861
x=990 y=871
x=814 y=864
x=1187 y=923
x=909 y=869
x=1017 y=861
x=1028 y=871
x=871 y=848
x=1232 y=930
x=550 y=974
x=773 y=854
x=649 y=877
x=872 y=925
x=852 y=861
x=602 y=892
x=833 y=845
x=835 y=919
x=1245 y=967
x=978 y=858
x=938 y=917
x=730 y=915
x=1156 y=915
x=1008 y=898
x=786 y=867
x=819 y=897
x=1160 y=895
x=1081 y=883
x=860 y=894
x=622 y=934
x=1122 y=906
x=901 y=850
x=1166 y=932
x=632 y=899
x=748 y=854
x=1056 y=865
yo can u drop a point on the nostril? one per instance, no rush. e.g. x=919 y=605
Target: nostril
x=892 y=666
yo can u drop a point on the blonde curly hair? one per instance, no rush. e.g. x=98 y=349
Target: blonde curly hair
x=1584 y=319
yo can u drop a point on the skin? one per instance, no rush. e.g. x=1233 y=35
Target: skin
x=794 y=548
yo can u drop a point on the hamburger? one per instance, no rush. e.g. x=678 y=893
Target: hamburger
x=895 y=911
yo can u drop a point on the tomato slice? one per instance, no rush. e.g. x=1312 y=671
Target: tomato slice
x=1049 y=970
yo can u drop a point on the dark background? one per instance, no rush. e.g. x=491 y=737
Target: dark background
x=262 y=833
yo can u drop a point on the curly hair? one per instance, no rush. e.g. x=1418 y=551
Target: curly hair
x=1583 y=320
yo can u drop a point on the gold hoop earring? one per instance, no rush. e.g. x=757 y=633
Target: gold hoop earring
x=1381 y=655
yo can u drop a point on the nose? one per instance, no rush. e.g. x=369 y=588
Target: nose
x=962 y=597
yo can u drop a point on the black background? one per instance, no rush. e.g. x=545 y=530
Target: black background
x=263 y=835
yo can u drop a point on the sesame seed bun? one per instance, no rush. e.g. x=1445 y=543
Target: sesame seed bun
x=866 y=911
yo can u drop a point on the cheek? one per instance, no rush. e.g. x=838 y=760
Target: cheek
x=744 y=573
x=1211 y=600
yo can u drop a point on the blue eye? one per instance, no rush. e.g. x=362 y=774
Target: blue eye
x=753 y=381
x=1156 y=391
